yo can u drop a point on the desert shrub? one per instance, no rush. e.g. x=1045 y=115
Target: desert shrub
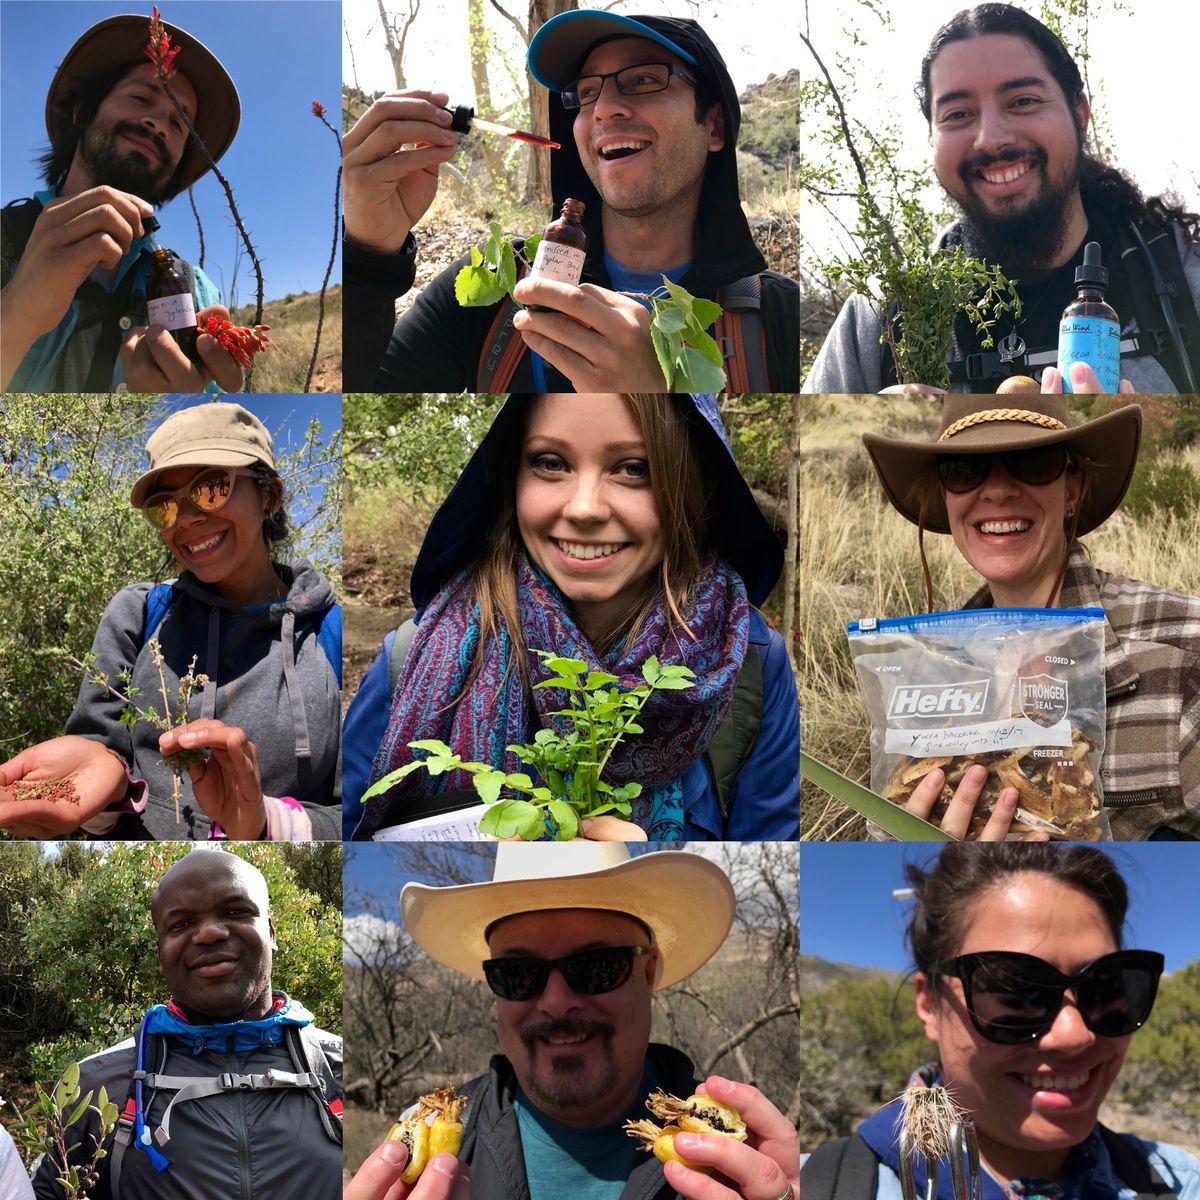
x=1162 y=486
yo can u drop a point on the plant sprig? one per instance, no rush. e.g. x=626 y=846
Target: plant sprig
x=568 y=764
x=687 y=354
x=131 y=714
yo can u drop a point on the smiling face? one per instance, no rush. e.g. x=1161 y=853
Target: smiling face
x=1006 y=147
x=215 y=938
x=579 y=1058
x=225 y=548
x=1012 y=533
x=667 y=168
x=136 y=139
x=585 y=507
x=1032 y=1101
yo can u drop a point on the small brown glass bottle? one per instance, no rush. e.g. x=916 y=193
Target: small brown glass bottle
x=169 y=304
x=562 y=250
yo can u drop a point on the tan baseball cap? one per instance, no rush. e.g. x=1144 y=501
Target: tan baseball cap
x=206 y=435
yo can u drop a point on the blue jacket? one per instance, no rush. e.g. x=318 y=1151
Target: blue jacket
x=759 y=809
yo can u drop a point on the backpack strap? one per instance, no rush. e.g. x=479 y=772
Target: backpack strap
x=502 y=348
x=399 y=650
x=158 y=599
x=1133 y=1166
x=329 y=637
x=122 y=1137
x=17 y=220
x=739 y=333
x=1162 y=301
x=844 y=1169
x=308 y=1054
x=733 y=743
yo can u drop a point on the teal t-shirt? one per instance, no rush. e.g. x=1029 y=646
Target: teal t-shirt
x=584 y=1164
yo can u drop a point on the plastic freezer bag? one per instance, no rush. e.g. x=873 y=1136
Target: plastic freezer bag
x=1018 y=690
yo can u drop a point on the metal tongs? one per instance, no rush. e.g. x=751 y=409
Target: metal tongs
x=964 y=1163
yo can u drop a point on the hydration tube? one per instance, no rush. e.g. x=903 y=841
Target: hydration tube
x=141 y=1134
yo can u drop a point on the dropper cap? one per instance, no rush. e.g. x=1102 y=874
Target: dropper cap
x=462 y=115
x=1091 y=272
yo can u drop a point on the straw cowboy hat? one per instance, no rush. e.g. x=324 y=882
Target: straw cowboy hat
x=205 y=435
x=118 y=43
x=686 y=901
x=979 y=425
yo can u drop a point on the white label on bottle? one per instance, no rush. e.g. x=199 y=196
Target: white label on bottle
x=556 y=261
x=172 y=312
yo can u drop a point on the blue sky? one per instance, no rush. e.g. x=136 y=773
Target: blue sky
x=282 y=55
x=847 y=913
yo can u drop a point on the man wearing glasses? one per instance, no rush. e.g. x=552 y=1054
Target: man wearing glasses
x=574 y=939
x=647 y=117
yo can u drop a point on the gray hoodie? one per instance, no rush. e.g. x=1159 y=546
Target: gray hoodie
x=270 y=677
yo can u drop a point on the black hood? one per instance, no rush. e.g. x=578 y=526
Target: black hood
x=724 y=248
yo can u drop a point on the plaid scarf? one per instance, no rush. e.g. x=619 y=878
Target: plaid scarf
x=432 y=699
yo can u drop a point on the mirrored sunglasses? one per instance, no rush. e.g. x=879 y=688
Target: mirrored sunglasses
x=589 y=972
x=1015 y=998
x=962 y=473
x=209 y=491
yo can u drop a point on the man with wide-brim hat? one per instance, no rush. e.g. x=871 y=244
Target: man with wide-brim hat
x=574 y=938
x=78 y=257
x=1015 y=485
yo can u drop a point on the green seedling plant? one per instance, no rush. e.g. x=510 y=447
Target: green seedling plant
x=687 y=354
x=168 y=719
x=569 y=764
x=45 y=1131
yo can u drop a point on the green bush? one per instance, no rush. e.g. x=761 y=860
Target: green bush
x=1157 y=486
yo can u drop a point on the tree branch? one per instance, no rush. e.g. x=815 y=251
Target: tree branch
x=509 y=17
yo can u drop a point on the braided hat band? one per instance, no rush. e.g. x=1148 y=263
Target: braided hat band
x=1002 y=414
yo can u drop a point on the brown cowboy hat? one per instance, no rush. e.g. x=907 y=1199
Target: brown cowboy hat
x=982 y=425
x=120 y=42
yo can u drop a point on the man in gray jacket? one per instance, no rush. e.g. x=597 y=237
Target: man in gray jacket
x=573 y=939
x=1008 y=120
x=241 y=1094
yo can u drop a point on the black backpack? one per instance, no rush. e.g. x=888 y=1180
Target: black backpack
x=848 y=1169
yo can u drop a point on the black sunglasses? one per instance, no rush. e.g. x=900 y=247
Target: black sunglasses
x=588 y=972
x=962 y=473
x=1015 y=997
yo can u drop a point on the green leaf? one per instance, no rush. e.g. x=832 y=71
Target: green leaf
x=670 y=320
x=565 y=818
x=566 y=666
x=672 y=683
x=389 y=781
x=533 y=826
x=651 y=670
x=487 y=786
x=664 y=353
x=529 y=250
x=78 y=1110
x=680 y=295
x=697 y=373
x=510 y=816
x=560 y=681
x=888 y=816
x=431 y=744
x=705 y=312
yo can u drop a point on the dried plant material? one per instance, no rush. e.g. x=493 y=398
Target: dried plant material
x=926 y=1115
x=51 y=791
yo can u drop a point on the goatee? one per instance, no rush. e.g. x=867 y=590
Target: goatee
x=1031 y=236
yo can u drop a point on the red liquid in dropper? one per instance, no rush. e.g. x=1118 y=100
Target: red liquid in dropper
x=533 y=139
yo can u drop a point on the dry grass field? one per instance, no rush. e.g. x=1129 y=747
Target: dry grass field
x=859 y=558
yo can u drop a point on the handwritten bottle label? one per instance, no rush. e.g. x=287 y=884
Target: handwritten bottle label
x=1094 y=341
x=172 y=312
x=556 y=261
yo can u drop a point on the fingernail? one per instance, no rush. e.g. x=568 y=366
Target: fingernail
x=395 y=1153
x=716 y=1083
x=687 y=1141
x=187 y=739
x=938 y=776
x=587 y=824
x=444 y=1164
x=978 y=774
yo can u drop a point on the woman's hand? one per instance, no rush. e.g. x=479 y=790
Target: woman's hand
x=763 y=1167
x=961 y=808
x=444 y=1177
x=154 y=362
x=97 y=774
x=1084 y=382
x=611 y=829
x=226 y=784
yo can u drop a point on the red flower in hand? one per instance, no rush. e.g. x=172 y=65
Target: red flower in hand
x=240 y=342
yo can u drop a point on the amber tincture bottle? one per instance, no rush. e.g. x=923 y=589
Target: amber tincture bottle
x=563 y=248
x=1090 y=331
x=169 y=304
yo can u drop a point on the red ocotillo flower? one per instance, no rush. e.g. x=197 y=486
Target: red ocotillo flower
x=241 y=342
x=318 y=108
x=159 y=50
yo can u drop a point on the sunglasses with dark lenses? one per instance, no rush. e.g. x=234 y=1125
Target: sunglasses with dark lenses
x=1015 y=997
x=962 y=473
x=588 y=972
x=209 y=491
x=639 y=80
